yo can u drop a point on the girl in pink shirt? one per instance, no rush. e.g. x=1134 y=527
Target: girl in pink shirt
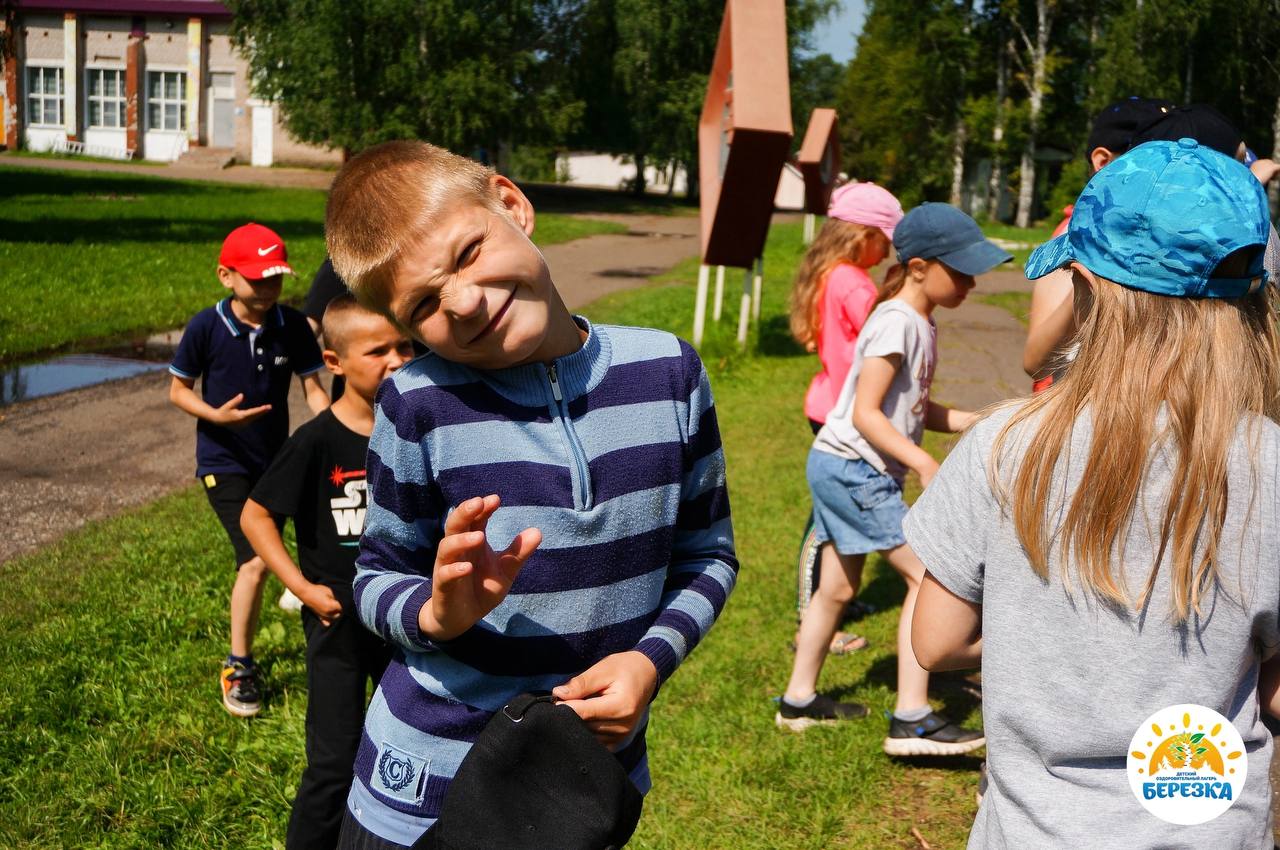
x=832 y=297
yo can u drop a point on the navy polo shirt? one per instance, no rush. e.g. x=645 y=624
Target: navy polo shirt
x=230 y=357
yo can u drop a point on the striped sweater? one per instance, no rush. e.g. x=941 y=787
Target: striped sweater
x=614 y=453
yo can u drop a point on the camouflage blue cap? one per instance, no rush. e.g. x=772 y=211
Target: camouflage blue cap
x=1161 y=218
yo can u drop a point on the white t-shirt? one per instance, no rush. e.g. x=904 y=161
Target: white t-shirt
x=892 y=328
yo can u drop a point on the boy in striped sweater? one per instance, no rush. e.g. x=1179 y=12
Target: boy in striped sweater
x=547 y=504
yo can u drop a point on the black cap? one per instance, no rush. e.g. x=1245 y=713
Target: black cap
x=1114 y=126
x=1199 y=121
x=536 y=778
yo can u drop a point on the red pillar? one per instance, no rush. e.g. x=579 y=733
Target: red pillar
x=132 y=87
x=12 y=91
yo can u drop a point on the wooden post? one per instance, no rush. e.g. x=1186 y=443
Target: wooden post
x=719 y=301
x=744 y=311
x=757 y=290
x=810 y=220
x=700 y=307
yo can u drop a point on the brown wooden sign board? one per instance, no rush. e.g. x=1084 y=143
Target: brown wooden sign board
x=819 y=160
x=744 y=133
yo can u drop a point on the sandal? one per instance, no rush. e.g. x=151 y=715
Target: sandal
x=844 y=643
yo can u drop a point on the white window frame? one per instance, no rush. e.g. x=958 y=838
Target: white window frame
x=59 y=97
x=117 y=101
x=180 y=101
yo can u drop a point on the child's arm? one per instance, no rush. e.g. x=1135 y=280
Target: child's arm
x=938 y=417
x=1050 y=322
x=1269 y=686
x=874 y=381
x=260 y=530
x=946 y=631
x=404 y=553
x=317 y=398
x=183 y=396
x=612 y=695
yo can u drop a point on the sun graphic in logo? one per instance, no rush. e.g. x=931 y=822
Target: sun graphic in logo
x=1185 y=764
x=1187 y=750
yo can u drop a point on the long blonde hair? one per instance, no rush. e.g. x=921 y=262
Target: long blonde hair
x=837 y=242
x=1151 y=371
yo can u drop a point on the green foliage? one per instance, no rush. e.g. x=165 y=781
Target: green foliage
x=352 y=74
x=96 y=257
x=1071 y=180
x=815 y=82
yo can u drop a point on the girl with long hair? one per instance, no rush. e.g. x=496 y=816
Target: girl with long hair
x=830 y=302
x=1107 y=548
x=862 y=454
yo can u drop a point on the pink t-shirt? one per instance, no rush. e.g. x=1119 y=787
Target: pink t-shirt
x=846 y=303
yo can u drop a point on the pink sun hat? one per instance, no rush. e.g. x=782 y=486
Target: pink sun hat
x=866 y=204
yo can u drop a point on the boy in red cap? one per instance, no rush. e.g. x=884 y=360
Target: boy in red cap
x=244 y=349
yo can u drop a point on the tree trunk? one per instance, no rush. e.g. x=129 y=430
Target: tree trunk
x=1039 y=56
x=1186 y=84
x=957 y=164
x=994 y=185
x=638 y=188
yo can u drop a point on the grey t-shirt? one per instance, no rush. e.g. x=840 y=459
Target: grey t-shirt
x=1067 y=681
x=892 y=328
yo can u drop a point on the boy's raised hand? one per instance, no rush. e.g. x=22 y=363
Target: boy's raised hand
x=232 y=417
x=610 y=696
x=470 y=579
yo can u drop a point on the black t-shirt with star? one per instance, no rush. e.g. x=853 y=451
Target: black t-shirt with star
x=318 y=478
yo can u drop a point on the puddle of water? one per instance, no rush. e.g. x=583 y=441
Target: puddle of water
x=33 y=380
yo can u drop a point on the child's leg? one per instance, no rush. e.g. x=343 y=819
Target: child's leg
x=841 y=576
x=246 y=603
x=337 y=672
x=913 y=680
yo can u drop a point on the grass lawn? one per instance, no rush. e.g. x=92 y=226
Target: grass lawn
x=1018 y=304
x=91 y=258
x=113 y=735
x=1019 y=241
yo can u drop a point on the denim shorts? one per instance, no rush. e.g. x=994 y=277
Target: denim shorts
x=855 y=506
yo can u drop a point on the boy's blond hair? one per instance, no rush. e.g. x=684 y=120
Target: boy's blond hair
x=386 y=197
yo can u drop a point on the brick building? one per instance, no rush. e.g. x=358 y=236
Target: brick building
x=146 y=79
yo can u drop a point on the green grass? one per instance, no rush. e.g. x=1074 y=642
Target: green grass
x=1026 y=238
x=96 y=258
x=113 y=736
x=1018 y=304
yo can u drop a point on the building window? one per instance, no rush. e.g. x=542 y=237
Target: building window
x=106 y=97
x=44 y=96
x=166 y=100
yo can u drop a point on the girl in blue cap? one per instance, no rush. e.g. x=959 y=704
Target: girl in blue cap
x=1107 y=548
x=860 y=457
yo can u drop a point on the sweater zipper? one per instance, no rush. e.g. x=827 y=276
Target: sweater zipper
x=580 y=471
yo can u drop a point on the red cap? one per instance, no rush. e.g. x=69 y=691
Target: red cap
x=255 y=251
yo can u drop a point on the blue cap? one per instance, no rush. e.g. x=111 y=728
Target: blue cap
x=941 y=232
x=1161 y=218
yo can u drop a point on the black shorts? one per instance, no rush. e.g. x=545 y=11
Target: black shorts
x=227 y=494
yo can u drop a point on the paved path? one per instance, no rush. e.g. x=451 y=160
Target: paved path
x=295 y=178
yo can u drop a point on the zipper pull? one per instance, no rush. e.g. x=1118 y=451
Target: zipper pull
x=555 y=384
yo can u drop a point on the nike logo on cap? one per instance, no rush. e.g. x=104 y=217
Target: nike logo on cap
x=262 y=252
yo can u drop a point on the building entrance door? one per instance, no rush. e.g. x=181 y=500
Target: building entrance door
x=222 y=115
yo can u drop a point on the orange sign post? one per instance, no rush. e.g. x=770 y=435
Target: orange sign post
x=744 y=135
x=819 y=163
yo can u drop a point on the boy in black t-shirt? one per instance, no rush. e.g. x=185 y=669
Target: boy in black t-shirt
x=318 y=478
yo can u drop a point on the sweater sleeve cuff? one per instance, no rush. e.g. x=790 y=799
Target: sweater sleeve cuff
x=409 y=617
x=663 y=655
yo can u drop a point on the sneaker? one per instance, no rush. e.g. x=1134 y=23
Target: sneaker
x=933 y=735
x=240 y=694
x=289 y=601
x=823 y=711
